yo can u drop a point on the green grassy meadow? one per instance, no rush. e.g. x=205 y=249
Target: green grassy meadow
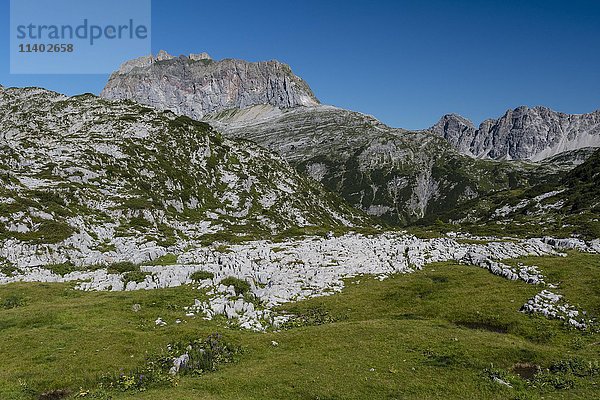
x=444 y=332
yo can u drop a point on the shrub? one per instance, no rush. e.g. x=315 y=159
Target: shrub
x=49 y=232
x=62 y=269
x=139 y=222
x=559 y=381
x=240 y=286
x=9 y=269
x=577 y=367
x=106 y=247
x=122 y=267
x=47 y=197
x=202 y=356
x=167 y=236
x=201 y=275
x=134 y=276
x=136 y=203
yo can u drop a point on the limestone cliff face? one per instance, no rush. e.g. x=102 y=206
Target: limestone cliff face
x=522 y=134
x=196 y=85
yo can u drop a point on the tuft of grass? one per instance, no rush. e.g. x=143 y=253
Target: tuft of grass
x=167 y=259
x=134 y=276
x=198 y=276
x=12 y=301
x=311 y=316
x=241 y=287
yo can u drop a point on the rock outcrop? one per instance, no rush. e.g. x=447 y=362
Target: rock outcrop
x=196 y=85
x=521 y=134
x=295 y=270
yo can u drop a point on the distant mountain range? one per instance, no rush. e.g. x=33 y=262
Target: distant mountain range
x=521 y=134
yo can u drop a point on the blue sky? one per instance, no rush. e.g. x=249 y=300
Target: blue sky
x=405 y=62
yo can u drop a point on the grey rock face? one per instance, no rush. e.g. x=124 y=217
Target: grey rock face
x=200 y=57
x=197 y=85
x=522 y=134
x=163 y=56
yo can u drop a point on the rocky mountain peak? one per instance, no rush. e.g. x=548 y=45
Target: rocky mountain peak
x=458 y=130
x=196 y=85
x=524 y=133
x=163 y=56
x=200 y=57
x=452 y=122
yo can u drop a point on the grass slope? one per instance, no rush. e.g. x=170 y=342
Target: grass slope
x=440 y=333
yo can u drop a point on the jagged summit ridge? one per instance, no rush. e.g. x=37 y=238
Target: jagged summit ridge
x=196 y=85
x=162 y=55
x=521 y=134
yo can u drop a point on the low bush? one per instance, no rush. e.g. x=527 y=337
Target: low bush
x=48 y=232
x=9 y=269
x=167 y=259
x=577 y=367
x=240 y=286
x=62 y=269
x=122 y=267
x=198 y=276
x=134 y=276
x=198 y=357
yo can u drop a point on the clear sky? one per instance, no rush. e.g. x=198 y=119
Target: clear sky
x=405 y=62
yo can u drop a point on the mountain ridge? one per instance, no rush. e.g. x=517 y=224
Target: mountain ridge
x=397 y=175
x=196 y=87
x=569 y=206
x=523 y=133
